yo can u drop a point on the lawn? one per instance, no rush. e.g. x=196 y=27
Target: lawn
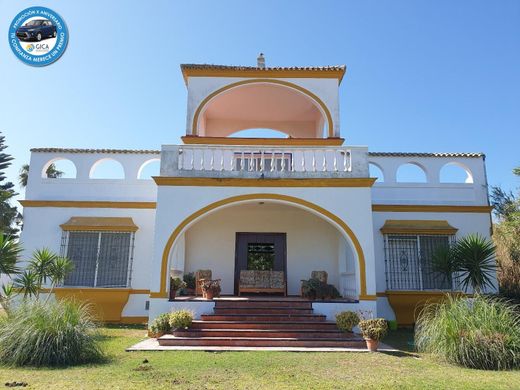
x=258 y=370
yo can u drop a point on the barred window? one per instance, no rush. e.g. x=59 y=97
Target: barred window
x=408 y=261
x=101 y=259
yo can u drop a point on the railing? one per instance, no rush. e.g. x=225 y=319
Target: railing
x=263 y=159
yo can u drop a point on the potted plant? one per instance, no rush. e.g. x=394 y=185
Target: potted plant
x=373 y=330
x=189 y=279
x=210 y=288
x=175 y=285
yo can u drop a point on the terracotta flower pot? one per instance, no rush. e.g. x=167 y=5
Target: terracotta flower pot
x=372 y=345
x=209 y=294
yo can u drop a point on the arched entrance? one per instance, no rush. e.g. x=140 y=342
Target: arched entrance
x=343 y=229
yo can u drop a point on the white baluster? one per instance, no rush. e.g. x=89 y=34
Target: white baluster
x=292 y=161
x=272 y=162
x=180 y=158
x=192 y=159
x=232 y=161
x=222 y=159
x=335 y=161
x=202 y=158
x=324 y=168
x=283 y=160
x=314 y=160
x=262 y=161
x=212 y=160
x=345 y=167
x=303 y=161
x=251 y=160
x=242 y=161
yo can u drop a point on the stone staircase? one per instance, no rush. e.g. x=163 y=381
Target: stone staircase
x=263 y=323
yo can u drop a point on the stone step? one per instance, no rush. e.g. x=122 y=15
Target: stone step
x=171 y=340
x=263 y=310
x=263 y=317
x=313 y=325
x=297 y=303
x=263 y=333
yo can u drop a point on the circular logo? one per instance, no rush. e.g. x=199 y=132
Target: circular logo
x=38 y=36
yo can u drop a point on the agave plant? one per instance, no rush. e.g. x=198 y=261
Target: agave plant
x=27 y=283
x=42 y=263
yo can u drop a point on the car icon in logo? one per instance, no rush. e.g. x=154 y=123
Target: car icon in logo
x=36 y=29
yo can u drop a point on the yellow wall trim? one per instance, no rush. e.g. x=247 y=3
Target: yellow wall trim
x=163 y=293
x=196 y=140
x=134 y=320
x=394 y=226
x=243 y=182
x=106 y=290
x=368 y=298
x=316 y=99
x=402 y=208
x=119 y=224
x=94 y=204
x=275 y=73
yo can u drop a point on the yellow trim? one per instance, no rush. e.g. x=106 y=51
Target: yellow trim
x=194 y=127
x=94 y=204
x=243 y=182
x=368 y=297
x=162 y=293
x=120 y=224
x=134 y=320
x=402 y=208
x=197 y=140
x=100 y=289
x=395 y=226
x=275 y=73
x=408 y=304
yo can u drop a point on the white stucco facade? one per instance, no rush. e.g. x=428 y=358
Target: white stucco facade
x=319 y=194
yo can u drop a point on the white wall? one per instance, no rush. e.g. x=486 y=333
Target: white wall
x=312 y=243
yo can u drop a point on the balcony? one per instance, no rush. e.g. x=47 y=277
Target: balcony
x=227 y=161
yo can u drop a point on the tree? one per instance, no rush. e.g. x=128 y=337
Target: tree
x=8 y=214
x=52 y=173
x=10 y=251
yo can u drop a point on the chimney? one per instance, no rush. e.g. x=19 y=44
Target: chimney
x=260 y=61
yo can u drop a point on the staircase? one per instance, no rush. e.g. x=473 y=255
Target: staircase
x=263 y=323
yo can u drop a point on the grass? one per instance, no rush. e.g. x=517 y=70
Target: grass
x=258 y=370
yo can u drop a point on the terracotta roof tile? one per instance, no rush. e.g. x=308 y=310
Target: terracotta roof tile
x=74 y=150
x=409 y=154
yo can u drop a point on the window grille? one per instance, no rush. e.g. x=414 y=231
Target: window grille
x=408 y=262
x=101 y=259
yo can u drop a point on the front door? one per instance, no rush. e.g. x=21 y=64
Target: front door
x=260 y=251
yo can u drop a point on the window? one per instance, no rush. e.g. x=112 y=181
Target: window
x=409 y=262
x=101 y=259
x=260 y=256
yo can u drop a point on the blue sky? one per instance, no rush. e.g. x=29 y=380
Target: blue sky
x=421 y=75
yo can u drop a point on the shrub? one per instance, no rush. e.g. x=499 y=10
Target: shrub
x=181 y=319
x=374 y=329
x=482 y=332
x=189 y=279
x=49 y=334
x=177 y=283
x=316 y=289
x=161 y=324
x=346 y=320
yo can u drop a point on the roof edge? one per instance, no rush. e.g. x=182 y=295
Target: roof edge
x=76 y=150
x=426 y=154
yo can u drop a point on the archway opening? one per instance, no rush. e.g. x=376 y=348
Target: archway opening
x=410 y=173
x=266 y=105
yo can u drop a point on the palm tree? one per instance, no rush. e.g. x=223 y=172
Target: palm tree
x=475 y=259
x=444 y=264
x=10 y=251
x=52 y=173
x=42 y=264
x=516 y=171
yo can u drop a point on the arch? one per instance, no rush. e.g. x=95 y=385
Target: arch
x=110 y=169
x=148 y=169
x=375 y=170
x=411 y=172
x=347 y=232
x=455 y=172
x=64 y=165
x=258 y=133
x=317 y=101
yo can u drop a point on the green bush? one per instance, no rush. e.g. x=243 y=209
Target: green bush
x=481 y=333
x=374 y=329
x=346 y=320
x=49 y=334
x=161 y=324
x=181 y=319
x=189 y=279
x=316 y=289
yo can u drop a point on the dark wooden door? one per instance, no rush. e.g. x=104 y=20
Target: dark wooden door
x=260 y=251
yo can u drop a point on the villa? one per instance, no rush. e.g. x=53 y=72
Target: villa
x=305 y=202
